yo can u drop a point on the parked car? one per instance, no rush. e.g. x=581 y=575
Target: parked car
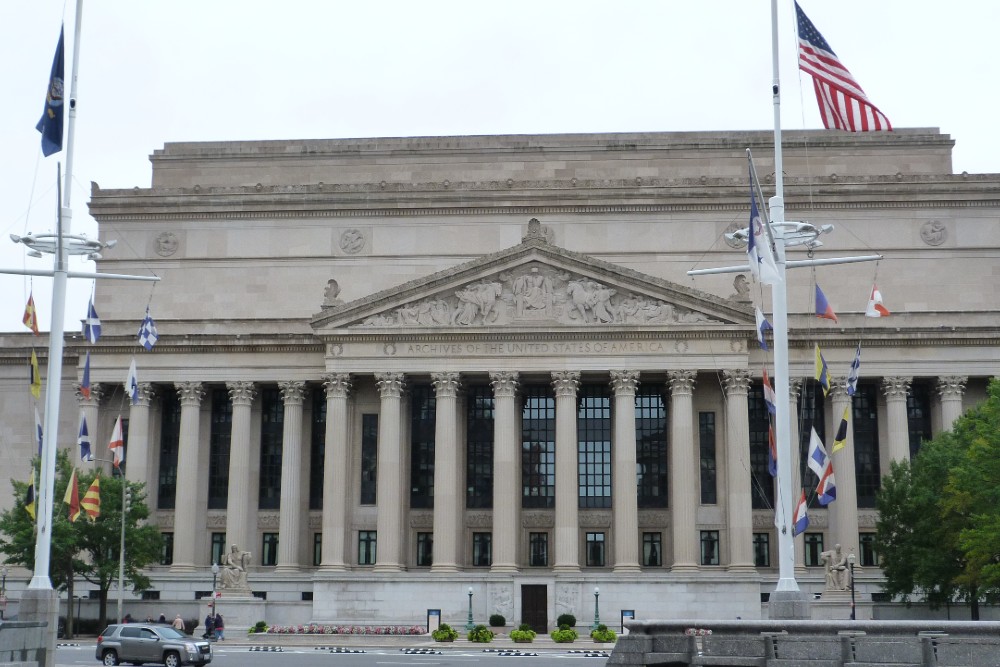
x=140 y=643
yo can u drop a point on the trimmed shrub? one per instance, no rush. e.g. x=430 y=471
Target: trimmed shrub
x=566 y=619
x=445 y=633
x=524 y=633
x=497 y=621
x=563 y=635
x=480 y=634
x=603 y=634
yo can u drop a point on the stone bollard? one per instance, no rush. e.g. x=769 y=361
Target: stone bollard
x=848 y=646
x=928 y=647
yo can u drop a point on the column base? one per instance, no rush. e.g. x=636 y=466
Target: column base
x=789 y=605
x=388 y=567
x=445 y=567
x=684 y=567
x=183 y=567
x=505 y=568
x=627 y=568
x=333 y=567
x=286 y=569
x=566 y=568
x=742 y=568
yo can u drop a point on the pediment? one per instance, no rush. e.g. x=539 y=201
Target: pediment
x=533 y=284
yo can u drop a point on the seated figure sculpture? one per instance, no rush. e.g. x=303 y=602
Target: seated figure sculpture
x=835 y=562
x=234 y=572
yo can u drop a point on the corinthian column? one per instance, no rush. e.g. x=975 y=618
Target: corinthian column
x=391 y=489
x=506 y=453
x=738 y=500
x=625 y=500
x=951 y=388
x=137 y=468
x=844 y=510
x=238 y=508
x=187 y=519
x=90 y=408
x=290 y=509
x=794 y=387
x=565 y=384
x=336 y=465
x=895 y=389
x=447 y=502
x=683 y=471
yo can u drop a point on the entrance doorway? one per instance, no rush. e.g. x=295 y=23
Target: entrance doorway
x=534 y=602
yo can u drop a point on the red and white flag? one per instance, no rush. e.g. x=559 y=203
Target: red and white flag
x=117 y=445
x=875 y=307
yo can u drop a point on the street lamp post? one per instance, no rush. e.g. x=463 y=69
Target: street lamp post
x=597 y=613
x=3 y=591
x=215 y=600
x=850 y=568
x=470 y=625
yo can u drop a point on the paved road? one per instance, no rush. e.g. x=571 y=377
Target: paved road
x=241 y=656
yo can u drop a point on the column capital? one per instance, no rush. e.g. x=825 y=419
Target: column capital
x=446 y=384
x=190 y=393
x=838 y=389
x=952 y=386
x=390 y=385
x=565 y=383
x=337 y=385
x=292 y=391
x=241 y=392
x=682 y=382
x=146 y=394
x=794 y=387
x=896 y=387
x=736 y=381
x=624 y=383
x=504 y=383
x=96 y=394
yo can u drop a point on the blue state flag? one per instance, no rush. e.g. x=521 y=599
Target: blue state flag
x=92 y=324
x=51 y=122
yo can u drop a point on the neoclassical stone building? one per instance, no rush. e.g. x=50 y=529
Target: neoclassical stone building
x=424 y=373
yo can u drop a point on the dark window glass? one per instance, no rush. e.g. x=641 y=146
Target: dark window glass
x=218 y=547
x=706 y=439
x=269 y=552
x=811 y=415
x=918 y=415
x=761 y=482
x=317 y=448
x=866 y=459
x=593 y=430
x=709 y=547
x=219 y=440
x=651 y=447
x=317 y=548
x=869 y=558
x=367 y=541
x=813 y=548
x=271 y=435
x=479 y=448
x=595 y=549
x=369 y=459
x=425 y=549
x=482 y=549
x=652 y=549
x=538 y=447
x=167 y=549
x=422 y=411
x=762 y=549
x=538 y=545
x=170 y=434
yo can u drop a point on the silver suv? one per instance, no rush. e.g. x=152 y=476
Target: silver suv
x=140 y=643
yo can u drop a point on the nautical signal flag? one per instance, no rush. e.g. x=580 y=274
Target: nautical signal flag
x=117 y=444
x=875 y=307
x=29 y=497
x=132 y=383
x=30 y=318
x=800 y=519
x=822 y=372
x=35 y=376
x=827 y=489
x=817 y=458
x=91 y=502
x=840 y=440
x=51 y=122
x=823 y=308
x=85 y=383
x=92 y=324
x=38 y=431
x=147 y=332
x=842 y=103
x=762 y=326
x=852 y=376
x=83 y=440
x=759 y=253
x=769 y=399
x=772 y=452
x=72 y=497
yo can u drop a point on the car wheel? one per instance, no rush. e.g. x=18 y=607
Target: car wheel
x=172 y=660
x=109 y=657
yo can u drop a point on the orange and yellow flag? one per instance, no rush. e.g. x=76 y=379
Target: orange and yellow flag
x=72 y=497
x=30 y=319
x=91 y=502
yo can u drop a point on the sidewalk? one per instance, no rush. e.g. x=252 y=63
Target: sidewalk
x=501 y=642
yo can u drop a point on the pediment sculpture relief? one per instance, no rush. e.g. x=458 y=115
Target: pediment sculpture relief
x=535 y=293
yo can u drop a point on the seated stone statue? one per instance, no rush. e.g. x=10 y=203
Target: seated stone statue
x=836 y=569
x=234 y=572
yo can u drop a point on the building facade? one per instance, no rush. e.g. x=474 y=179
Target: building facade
x=440 y=373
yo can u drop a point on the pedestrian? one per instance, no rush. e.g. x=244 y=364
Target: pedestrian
x=178 y=623
x=209 y=626
x=220 y=628
x=127 y=618
x=162 y=618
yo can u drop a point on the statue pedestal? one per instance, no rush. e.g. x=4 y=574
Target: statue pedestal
x=239 y=611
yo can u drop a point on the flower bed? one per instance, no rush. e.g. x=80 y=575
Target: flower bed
x=316 y=629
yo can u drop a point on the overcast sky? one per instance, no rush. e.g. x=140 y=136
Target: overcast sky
x=156 y=71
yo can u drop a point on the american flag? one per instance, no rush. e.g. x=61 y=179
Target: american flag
x=842 y=102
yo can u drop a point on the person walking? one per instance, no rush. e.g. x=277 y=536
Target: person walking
x=220 y=628
x=209 y=626
x=162 y=618
x=178 y=623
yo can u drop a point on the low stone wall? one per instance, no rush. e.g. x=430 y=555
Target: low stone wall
x=22 y=643
x=809 y=644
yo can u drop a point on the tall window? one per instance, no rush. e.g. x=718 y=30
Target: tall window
x=869 y=558
x=425 y=549
x=218 y=547
x=269 y=552
x=813 y=549
x=706 y=440
x=482 y=549
x=317 y=549
x=170 y=433
x=651 y=447
x=652 y=549
x=538 y=448
x=595 y=549
x=271 y=435
x=167 y=549
x=866 y=459
x=811 y=416
x=479 y=447
x=762 y=549
x=709 y=547
x=422 y=411
x=761 y=482
x=369 y=459
x=367 y=541
x=538 y=549
x=593 y=428
x=317 y=449
x=219 y=440
x=918 y=415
